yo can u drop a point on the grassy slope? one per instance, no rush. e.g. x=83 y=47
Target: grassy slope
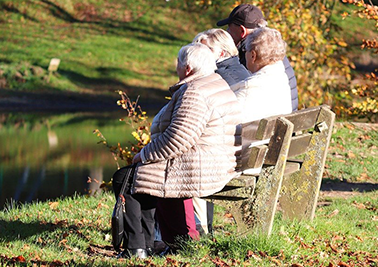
x=97 y=57
x=102 y=55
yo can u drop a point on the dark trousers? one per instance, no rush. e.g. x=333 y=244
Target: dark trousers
x=140 y=215
x=175 y=216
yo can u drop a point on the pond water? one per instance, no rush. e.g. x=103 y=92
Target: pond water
x=43 y=157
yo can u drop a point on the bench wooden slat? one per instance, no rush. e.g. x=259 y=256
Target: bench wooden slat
x=299 y=144
x=265 y=129
x=305 y=119
x=291 y=167
x=256 y=158
x=275 y=145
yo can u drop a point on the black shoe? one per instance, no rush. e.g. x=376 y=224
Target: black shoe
x=140 y=253
x=159 y=247
x=150 y=252
x=167 y=251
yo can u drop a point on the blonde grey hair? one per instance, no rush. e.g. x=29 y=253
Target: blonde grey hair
x=218 y=40
x=198 y=57
x=268 y=45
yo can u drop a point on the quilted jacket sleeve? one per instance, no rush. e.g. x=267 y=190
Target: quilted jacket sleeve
x=189 y=117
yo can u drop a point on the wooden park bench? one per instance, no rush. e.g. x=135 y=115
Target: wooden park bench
x=291 y=152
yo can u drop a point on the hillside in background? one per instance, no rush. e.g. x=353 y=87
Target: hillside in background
x=105 y=46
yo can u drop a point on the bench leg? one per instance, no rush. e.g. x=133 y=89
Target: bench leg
x=256 y=212
x=265 y=200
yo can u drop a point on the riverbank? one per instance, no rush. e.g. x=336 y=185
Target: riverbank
x=48 y=101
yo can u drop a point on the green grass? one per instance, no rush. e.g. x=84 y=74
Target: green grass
x=98 y=56
x=346 y=231
x=353 y=154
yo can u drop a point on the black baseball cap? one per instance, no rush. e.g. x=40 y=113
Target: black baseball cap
x=245 y=14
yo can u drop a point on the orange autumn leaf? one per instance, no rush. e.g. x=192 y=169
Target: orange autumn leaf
x=53 y=205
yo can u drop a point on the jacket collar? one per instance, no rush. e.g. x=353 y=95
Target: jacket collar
x=188 y=79
x=231 y=61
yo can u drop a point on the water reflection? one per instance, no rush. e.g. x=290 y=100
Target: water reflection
x=49 y=156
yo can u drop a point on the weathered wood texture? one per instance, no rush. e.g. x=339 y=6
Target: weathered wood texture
x=300 y=189
x=253 y=202
x=291 y=152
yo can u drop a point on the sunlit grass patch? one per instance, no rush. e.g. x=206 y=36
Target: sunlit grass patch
x=352 y=154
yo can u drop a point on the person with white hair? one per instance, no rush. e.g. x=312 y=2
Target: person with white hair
x=266 y=92
x=243 y=20
x=233 y=72
x=191 y=154
x=226 y=55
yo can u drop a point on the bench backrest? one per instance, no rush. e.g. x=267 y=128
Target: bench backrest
x=256 y=136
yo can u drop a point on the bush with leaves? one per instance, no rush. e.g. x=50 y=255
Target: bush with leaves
x=138 y=120
x=365 y=94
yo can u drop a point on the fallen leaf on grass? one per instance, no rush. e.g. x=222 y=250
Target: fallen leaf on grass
x=333 y=213
x=363 y=137
x=228 y=215
x=363 y=177
x=349 y=126
x=219 y=263
x=251 y=254
x=360 y=206
x=359 y=238
x=100 y=205
x=56 y=263
x=53 y=205
x=343 y=264
x=351 y=155
x=277 y=262
x=334 y=248
x=19 y=259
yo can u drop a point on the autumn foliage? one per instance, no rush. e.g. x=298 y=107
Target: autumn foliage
x=364 y=95
x=137 y=119
x=323 y=69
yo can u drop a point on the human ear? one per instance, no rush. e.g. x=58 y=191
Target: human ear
x=188 y=71
x=243 y=31
x=253 y=56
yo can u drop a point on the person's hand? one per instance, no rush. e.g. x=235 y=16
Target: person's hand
x=137 y=158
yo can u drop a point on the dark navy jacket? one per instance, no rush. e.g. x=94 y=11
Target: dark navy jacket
x=232 y=71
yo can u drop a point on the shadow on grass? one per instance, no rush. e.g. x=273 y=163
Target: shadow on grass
x=153 y=34
x=13 y=9
x=345 y=186
x=17 y=230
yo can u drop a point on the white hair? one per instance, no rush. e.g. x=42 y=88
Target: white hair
x=198 y=57
x=268 y=45
x=218 y=40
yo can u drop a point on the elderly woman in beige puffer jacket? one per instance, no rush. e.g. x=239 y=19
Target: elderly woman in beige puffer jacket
x=193 y=145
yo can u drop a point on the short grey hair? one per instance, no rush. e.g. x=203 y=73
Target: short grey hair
x=198 y=57
x=268 y=45
x=261 y=23
x=218 y=40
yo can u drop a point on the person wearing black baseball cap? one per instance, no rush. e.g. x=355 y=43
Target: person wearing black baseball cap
x=242 y=21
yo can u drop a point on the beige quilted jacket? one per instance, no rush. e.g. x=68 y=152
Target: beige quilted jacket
x=192 y=148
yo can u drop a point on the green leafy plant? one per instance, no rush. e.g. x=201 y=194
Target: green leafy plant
x=140 y=125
